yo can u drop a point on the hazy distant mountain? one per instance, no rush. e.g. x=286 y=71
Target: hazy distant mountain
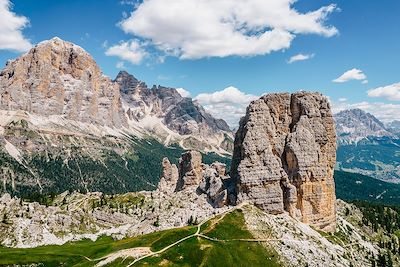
x=394 y=127
x=355 y=125
x=367 y=146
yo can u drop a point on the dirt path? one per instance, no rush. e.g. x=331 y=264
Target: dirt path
x=133 y=253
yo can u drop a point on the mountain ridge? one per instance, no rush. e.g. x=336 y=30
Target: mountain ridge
x=367 y=146
x=59 y=78
x=354 y=125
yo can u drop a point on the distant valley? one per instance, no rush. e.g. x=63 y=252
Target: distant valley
x=368 y=146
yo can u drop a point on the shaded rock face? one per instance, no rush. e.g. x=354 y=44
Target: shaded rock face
x=284 y=155
x=60 y=78
x=170 y=177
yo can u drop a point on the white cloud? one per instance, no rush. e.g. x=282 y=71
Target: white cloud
x=228 y=104
x=342 y=99
x=364 y=82
x=194 y=29
x=383 y=111
x=120 y=65
x=130 y=51
x=300 y=57
x=353 y=74
x=11 y=26
x=390 y=92
x=183 y=92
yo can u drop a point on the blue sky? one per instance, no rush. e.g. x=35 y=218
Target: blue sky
x=366 y=40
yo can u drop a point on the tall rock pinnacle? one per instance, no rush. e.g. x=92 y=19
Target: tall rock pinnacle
x=284 y=155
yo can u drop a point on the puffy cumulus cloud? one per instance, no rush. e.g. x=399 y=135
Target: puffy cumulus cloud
x=390 y=92
x=353 y=74
x=183 y=92
x=228 y=104
x=11 y=26
x=131 y=51
x=193 y=29
x=383 y=111
x=300 y=57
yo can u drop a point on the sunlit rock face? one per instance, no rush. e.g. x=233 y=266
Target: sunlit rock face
x=284 y=156
x=59 y=78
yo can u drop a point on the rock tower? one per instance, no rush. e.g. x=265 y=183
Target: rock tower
x=284 y=157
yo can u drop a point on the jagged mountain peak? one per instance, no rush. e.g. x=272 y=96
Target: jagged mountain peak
x=361 y=115
x=182 y=115
x=354 y=125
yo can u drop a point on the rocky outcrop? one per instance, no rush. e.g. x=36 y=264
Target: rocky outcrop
x=213 y=186
x=170 y=177
x=190 y=170
x=60 y=78
x=284 y=155
x=197 y=177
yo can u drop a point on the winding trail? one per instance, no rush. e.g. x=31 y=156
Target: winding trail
x=196 y=234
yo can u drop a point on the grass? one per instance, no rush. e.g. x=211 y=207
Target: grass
x=202 y=252
x=231 y=227
x=74 y=253
x=192 y=252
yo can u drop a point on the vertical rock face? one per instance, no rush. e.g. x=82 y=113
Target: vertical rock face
x=170 y=177
x=284 y=155
x=60 y=78
x=190 y=169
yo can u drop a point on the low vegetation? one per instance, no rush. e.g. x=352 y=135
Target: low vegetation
x=195 y=251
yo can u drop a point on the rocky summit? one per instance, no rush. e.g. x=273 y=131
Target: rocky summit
x=355 y=125
x=284 y=157
x=60 y=78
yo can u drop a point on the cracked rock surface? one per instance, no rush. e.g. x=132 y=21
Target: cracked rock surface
x=284 y=156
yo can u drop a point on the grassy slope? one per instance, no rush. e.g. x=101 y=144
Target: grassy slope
x=192 y=252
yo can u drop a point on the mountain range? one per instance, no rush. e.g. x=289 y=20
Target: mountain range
x=367 y=146
x=66 y=126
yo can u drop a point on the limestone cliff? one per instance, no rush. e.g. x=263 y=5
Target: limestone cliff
x=284 y=155
x=59 y=78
